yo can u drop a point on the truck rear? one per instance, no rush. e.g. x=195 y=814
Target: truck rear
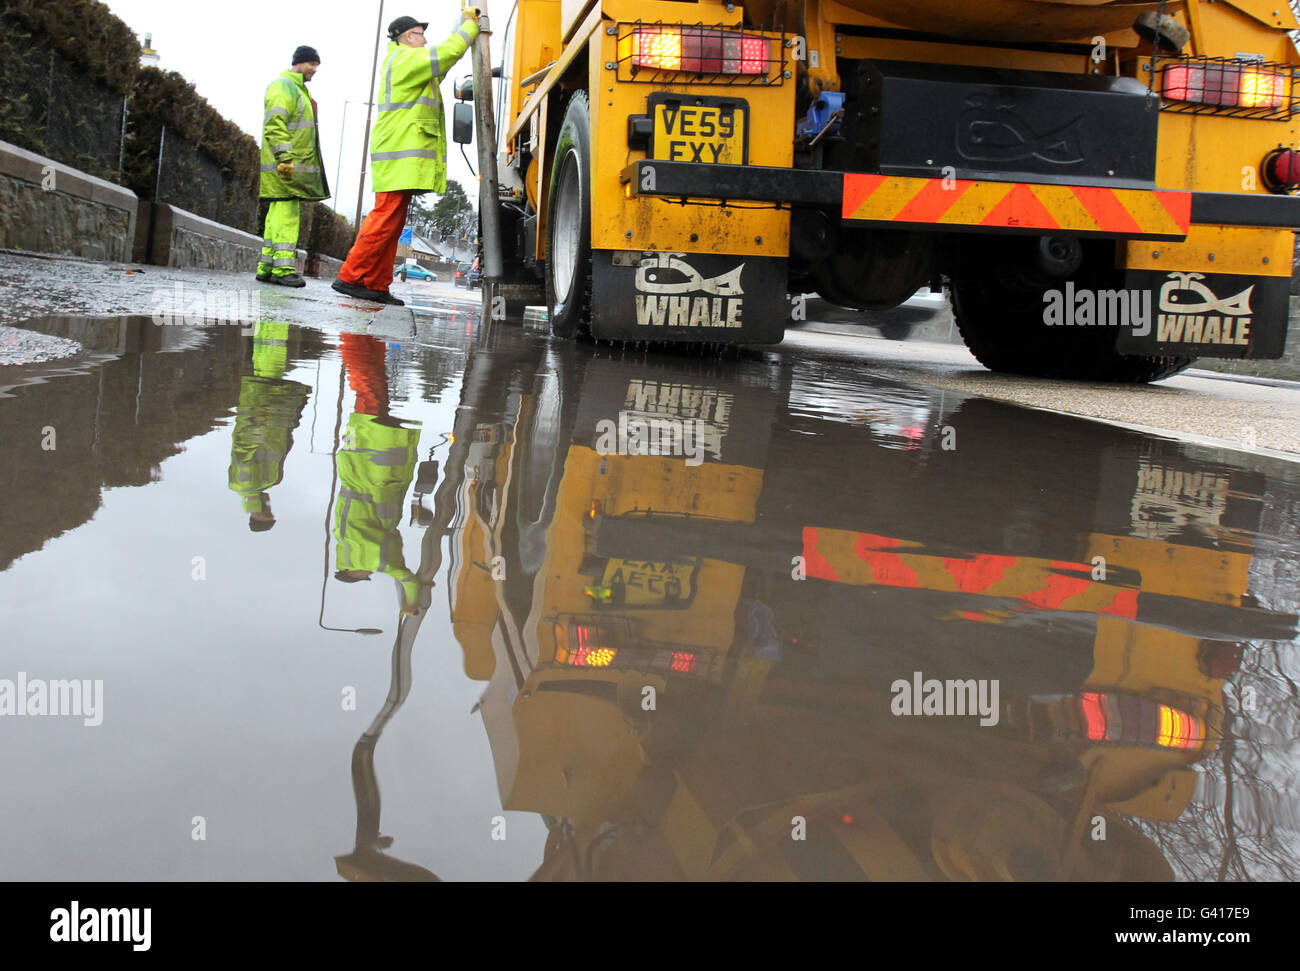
x=1106 y=189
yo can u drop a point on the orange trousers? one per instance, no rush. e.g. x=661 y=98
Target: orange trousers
x=371 y=258
x=363 y=357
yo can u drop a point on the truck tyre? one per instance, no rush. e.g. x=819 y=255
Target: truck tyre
x=568 y=252
x=1003 y=326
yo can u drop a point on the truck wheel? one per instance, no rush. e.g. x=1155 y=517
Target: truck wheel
x=568 y=256
x=1003 y=326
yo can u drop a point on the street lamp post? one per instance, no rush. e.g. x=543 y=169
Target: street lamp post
x=365 y=142
x=338 y=168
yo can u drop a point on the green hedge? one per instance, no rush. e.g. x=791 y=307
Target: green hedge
x=88 y=57
x=64 y=99
x=326 y=231
x=87 y=33
x=166 y=98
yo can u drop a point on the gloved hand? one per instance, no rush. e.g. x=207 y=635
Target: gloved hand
x=471 y=13
x=285 y=169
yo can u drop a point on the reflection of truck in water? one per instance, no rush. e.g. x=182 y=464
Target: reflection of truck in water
x=1105 y=187
x=675 y=704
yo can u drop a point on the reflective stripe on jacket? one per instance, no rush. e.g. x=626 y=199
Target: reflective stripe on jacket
x=408 y=145
x=289 y=134
x=268 y=412
x=376 y=465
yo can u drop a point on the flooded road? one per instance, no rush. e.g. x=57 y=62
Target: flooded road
x=474 y=605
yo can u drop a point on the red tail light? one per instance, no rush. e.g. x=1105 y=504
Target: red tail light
x=583 y=646
x=696 y=50
x=1281 y=170
x=1131 y=719
x=1236 y=85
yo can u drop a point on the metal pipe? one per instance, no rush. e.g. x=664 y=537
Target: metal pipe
x=338 y=169
x=486 y=136
x=365 y=141
x=536 y=76
x=121 y=142
x=157 y=182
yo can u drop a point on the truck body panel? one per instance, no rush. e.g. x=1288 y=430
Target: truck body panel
x=1019 y=150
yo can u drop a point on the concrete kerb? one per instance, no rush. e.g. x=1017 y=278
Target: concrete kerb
x=82 y=223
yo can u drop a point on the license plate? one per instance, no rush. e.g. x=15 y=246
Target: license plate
x=647 y=583
x=712 y=133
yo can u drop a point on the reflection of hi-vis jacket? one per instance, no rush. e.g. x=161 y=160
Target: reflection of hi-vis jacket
x=268 y=412
x=376 y=465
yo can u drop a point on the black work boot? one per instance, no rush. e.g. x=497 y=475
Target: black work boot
x=288 y=280
x=360 y=292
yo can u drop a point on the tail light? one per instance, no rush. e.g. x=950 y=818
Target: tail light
x=1134 y=720
x=583 y=646
x=1240 y=84
x=609 y=643
x=1281 y=170
x=696 y=50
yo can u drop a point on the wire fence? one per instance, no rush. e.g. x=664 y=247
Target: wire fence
x=185 y=176
x=52 y=108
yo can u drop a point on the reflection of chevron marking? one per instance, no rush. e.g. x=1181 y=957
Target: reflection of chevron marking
x=865 y=559
x=1132 y=213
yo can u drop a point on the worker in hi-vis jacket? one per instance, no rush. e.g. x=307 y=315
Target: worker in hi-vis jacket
x=291 y=168
x=408 y=148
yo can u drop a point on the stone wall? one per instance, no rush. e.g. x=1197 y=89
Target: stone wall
x=47 y=207
x=173 y=237
x=323 y=266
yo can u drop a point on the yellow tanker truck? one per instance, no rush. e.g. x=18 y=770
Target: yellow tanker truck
x=1105 y=188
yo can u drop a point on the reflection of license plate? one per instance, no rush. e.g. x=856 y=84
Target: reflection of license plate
x=700 y=133
x=647 y=583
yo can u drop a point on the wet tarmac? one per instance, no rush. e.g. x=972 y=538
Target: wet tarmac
x=479 y=605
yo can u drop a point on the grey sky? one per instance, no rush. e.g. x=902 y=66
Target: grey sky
x=231 y=51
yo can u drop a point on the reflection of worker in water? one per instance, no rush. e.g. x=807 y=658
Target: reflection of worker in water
x=268 y=412
x=376 y=464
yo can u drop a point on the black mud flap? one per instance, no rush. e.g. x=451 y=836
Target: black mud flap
x=1190 y=314
x=652 y=296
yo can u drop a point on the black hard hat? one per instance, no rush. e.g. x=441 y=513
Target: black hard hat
x=401 y=25
x=305 y=55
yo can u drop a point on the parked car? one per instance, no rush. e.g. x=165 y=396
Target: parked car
x=414 y=271
x=462 y=275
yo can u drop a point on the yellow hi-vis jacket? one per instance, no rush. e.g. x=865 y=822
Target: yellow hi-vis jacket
x=268 y=412
x=289 y=135
x=376 y=465
x=408 y=145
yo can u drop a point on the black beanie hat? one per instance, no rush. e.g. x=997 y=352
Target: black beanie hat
x=304 y=54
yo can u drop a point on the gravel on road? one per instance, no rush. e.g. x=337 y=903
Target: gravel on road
x=18 y=346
